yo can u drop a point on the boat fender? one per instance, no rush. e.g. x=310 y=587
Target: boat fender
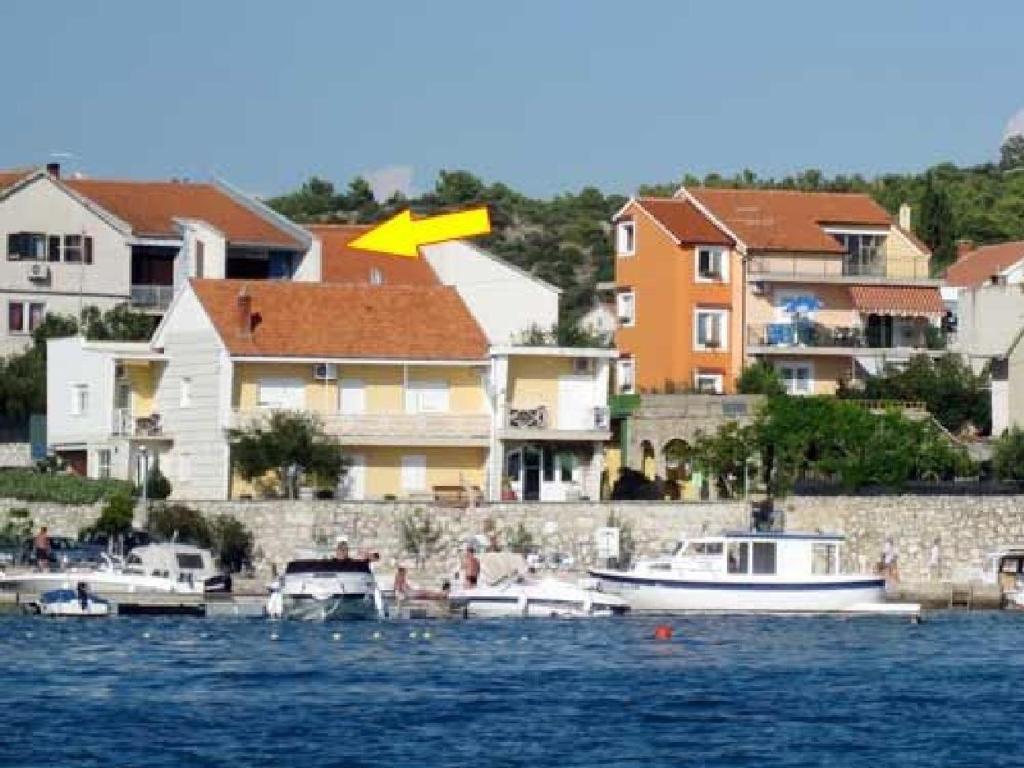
x=663 y=632
x=588 y=604
x=523 y=604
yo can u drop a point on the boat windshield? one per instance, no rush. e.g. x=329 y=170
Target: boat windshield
x=190 y=561
x=698 y=549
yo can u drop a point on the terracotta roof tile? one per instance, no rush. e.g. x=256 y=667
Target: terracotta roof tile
x=9 y=178
x=976 y=267
x=296 y=319
x=341 y=264
x=897 y=300
x=150 y=207
x=783 y=220
x=682 y=219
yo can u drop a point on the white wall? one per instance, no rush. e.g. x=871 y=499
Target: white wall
x=504 y=300
x=42 y=206
x=989 y=318
x=68 y=363
x=309 y=269
x=194 y=231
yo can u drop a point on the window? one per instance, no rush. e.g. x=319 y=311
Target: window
x=625 y=375
x=376 y=276
x=282 y=393
x=426 y=397
x=53 y=249
x=711 y=329
x=24 y=316
x=200 y=258
x=79 y=399
x=189 y=561
x=797 y=378
x=737 y=556
x=763 y=560
x=26 y=246
x=414 y=472
x=73 y=249
x=823 y=559
x=548 y=465
x=103 y=463
x=566 y=465
x=708 y=382
x=186 y=392
x=712 y=265
x=713 y=548
x=352 y=396
x=864 y=253
x=626 y=304
x=625 y=238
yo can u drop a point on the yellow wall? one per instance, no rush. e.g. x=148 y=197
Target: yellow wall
x=142 y=379
x=384 y=385
x=445 y=466
x=533 y=381
x=837 y=312
x=828 y=371
x=903 y=257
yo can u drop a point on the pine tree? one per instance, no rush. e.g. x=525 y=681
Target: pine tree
x=936 y=226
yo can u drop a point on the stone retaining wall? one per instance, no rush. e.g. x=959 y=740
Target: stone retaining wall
x=966 y=526
x=16 y=455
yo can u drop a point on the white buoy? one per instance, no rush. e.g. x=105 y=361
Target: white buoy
x=426 y=635
x=336 y=636
x=146 y=635
x=523 y=639
x=376 y=635
x=274 y=636
x=28 y=635
x=412 y=635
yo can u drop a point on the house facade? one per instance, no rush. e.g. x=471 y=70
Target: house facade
x=76 y=242
x=825 y=287
x=403 y=375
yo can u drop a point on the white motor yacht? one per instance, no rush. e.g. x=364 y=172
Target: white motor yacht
x=751 y=571
x=507 y=589
x=78 y=602
x=154 y=568
x=325 y=589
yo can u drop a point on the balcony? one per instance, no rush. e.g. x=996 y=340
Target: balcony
x=152 y=296
x=540 y=422
x=427 y=429
x=837 y=270
x=786 y=337
x=125 y=424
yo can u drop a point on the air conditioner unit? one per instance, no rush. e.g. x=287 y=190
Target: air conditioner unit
x=325 y=371
x=39 y=272
x=582 y=365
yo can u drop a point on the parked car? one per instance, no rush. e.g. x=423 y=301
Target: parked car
x=64 y=552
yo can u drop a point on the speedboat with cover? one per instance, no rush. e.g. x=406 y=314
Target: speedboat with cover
x=72 y=602
x=325 y=589
x=750 y=571
x=153 y=568
x=506 y=588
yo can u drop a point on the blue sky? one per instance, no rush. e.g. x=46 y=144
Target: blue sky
x=545 y=96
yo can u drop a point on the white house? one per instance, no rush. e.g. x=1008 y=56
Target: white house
x=75 y=242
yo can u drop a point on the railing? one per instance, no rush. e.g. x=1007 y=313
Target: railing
x=381 y=425
x=826 y=336
x=152 y=296
x=838 y=267
x=126 y=425
x=541 y=417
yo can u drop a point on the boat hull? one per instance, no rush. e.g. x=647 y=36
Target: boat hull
x=332 y=608
x=105 y=583
x=546 y=599
x=662 y=594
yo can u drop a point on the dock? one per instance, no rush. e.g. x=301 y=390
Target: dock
x=946 y=595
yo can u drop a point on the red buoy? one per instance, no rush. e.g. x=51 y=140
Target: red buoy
x=663 y=632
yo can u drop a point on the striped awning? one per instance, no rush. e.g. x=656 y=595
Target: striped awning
x=899 y=301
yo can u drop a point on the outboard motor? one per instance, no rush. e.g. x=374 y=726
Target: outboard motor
x=83 y=595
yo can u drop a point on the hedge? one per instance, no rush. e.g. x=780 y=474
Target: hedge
x=28 y=485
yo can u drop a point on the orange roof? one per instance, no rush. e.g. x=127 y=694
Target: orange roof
x=341 y=264
x=9 y=178
x=784 y=220
x=976 y=267
x=150 y=207
x=296 y=319
x=682 y=219
x=897 y=300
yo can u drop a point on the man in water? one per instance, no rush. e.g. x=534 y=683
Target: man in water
x=470 y=567
x=41 y=543
x=341 y=549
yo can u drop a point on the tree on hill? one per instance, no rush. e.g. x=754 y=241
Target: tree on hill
x=1011 y=154
x=937 y=226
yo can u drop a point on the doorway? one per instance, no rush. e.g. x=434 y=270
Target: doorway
x=531 y=474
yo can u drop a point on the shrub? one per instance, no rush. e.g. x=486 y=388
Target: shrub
x=1008 y=456
x=760 y=378
x=27 y=485
x=232 y=542
x=116 y=516
x=417 y=534
x=167 y=522
x=158 y=487
x=627 y=544
x=519 y=539
x=17 y=527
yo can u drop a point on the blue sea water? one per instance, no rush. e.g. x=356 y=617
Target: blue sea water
x=725 y=691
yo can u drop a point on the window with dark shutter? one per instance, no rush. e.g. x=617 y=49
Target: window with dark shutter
x=88 y=249
x=53 y=248
x=13 y=246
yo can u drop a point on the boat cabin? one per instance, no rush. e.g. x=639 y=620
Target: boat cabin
x=750 y=553
x=1005 y=568
x=182 y=563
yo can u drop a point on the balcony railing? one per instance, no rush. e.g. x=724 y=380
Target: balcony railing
x=470 y=426
x=152 y=296
x=811 y=267
x=540 y=417
x=127 y=425
x=795 y=335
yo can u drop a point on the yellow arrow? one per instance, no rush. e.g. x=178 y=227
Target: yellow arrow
x=401 y=235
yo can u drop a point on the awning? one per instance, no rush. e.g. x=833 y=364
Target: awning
x=899 y=301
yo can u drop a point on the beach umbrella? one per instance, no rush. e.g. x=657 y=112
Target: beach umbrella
x=801 y=305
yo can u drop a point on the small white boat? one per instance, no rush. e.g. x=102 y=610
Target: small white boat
x=325 y=589
x=153 y=568
x=72 y=602
x=507 y=589
x=748 y=571
x=1005 y=568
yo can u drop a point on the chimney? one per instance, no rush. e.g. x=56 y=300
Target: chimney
x=53 y=169
x=244 y=314
x=963 y=247
x=904 y=219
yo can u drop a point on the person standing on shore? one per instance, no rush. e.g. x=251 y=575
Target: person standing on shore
x=41 y=543
x=470 y=567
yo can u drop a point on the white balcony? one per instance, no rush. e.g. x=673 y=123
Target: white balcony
x=152 y=296
x=125 y=424
x=426 y=429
